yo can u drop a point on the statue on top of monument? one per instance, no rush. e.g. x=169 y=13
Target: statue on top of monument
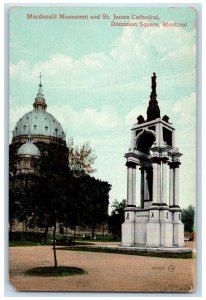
x=154 y=83
x=153 y=110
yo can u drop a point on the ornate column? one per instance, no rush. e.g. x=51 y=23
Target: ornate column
x=156 y=192
x=159 y=182
x=153 y=225
x=134 y=185
x=142 y=187
x=178 y=226
x=171 y=187
x=131 y=184
x=164 y=182
x=146 y=188
x=176 y=186
x=128 y=227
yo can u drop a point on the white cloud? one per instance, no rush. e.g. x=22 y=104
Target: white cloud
x=131 y=117
x=20 y=70
x=88 y=120
x=131 y=57
x=186 y=107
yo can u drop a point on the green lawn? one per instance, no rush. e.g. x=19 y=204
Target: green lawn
x=35 y=239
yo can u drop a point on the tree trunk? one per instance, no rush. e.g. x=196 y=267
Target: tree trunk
x=45 y=233
x=93 y=228
x=11 y=225
x=54 y=246
x=74 y=234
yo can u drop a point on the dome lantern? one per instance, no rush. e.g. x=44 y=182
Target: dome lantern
x=39 y=103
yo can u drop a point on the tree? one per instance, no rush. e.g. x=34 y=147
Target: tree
x=97 y=195
x=74 y=213
x=49 y=200
x=54 y=191
x=81 y=159
x=16 y=205
x=117 y=217
x=188 y=216
x=90 y=204
x=61 y=192
x=43 y=198
x=20 y=207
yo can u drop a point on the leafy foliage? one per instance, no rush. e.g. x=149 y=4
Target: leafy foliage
x=90 y=205
x=81 y=159
x=117 y=217
x=188 y=216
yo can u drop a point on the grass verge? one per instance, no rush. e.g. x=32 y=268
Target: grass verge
x=128 y=252
x=23 y=243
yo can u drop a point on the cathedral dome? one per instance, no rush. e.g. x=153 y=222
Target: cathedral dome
x=39 y=122
x=29 y=148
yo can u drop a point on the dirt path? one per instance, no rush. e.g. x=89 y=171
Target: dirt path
x=106 y=272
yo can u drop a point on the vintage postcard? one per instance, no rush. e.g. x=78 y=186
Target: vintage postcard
x=102 y=149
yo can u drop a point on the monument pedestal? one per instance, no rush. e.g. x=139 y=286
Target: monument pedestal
x=128 y=229
x=166 y=234
x=140 y=233
x=153 y=234
x=141 y=220
x=153 y=227
x=178 y=229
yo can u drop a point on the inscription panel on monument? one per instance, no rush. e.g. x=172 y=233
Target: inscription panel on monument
x=142 y=217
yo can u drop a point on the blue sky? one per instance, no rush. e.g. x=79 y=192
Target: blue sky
x=96 y=81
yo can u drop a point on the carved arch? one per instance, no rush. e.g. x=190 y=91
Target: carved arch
x=144 y=140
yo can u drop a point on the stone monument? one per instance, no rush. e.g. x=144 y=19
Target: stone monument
x=156 y=220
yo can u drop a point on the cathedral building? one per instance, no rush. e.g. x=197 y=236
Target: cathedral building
x=35 y=134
